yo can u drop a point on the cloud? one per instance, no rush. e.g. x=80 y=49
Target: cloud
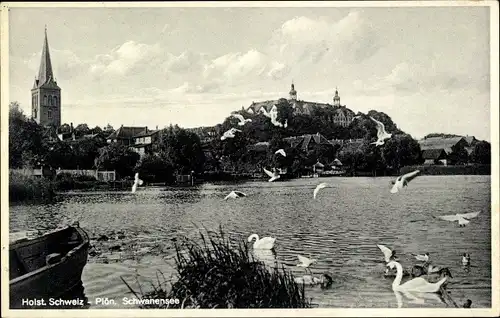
x=127 y=58
x=184 y=62
x=302 y=39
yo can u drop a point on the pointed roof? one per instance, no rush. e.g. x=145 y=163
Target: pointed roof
x=45 y=74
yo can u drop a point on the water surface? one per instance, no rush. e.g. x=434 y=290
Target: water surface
x=340 y=228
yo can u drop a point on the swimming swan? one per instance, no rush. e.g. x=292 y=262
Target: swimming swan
x=265 y=243
x=418 y=284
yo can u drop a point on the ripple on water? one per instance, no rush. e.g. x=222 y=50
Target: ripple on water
x=340 y=228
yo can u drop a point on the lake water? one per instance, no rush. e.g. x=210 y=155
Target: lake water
x=340 y=228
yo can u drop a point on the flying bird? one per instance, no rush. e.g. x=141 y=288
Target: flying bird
x=381 y=133
x=422 y=258
x=388 y=253
x=137 y=182
x=230 y=133
x=235 y=195
x=280 y=151
x=402 y=181
x=462 y=218
x=273 y=176
x=319 y=187
x=265 y=243
x=242 y=120
x=305 y=262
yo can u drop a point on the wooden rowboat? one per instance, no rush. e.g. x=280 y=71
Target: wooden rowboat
x=47 y=266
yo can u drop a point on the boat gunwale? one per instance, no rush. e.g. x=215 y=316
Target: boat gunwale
x=79 y=248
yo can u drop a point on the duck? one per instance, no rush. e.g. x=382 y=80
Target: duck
x=265 y=243
x=417 y=284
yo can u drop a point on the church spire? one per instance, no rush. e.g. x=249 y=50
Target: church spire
x=45 y=71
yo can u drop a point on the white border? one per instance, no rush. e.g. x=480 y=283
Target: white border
x=412 y=312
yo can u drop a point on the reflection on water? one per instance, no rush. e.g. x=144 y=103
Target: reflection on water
x=134 y=234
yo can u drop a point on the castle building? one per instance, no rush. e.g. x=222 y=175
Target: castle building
x=337 y=114
x=46 y=94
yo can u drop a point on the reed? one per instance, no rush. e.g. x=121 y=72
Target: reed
x=213 y=273
x=30 y=189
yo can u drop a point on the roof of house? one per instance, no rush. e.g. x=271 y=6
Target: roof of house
x=434 y=154
x=260 y=146
x=305 y=140
x=146 y=133
x=126 y=132
x=470 y=139
x=439 y=143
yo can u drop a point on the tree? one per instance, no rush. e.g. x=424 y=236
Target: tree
x=25 y=139
x=401 y=150
x=458 y=155
x=182 y=149
x=117 y=157
x=481 y=153
x=86 y=151
x=152 y=168
x=82 y=129
x=285 y=111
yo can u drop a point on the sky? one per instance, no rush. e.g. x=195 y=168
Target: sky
x=428 y=68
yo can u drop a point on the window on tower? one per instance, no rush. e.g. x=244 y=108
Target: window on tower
x=44 y=100
x=34 y=112
x=55 y=100
x=50 y=100
x=49 y=114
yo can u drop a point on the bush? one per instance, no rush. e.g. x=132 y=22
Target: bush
x=24 y=188
x=215 y=274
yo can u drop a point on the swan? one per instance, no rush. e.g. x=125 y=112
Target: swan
x=462 y=218
x=418 y=284
x=319 y=187
x=229 y=134
x=235 y=195
x=305 y=262
x=242 y=120
x=265 y=243
x=280 y=151
x=388 y=253
x=422 y=258
x=381 y=133
x=402 y=181
x=325 y=281
x=466 y=259
x=137 y=182
x=274 y=176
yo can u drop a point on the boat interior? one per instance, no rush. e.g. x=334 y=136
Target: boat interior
x=26 y=256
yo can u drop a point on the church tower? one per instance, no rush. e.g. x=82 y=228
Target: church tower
x=336 y=98
x=45 y=94
x=293 y=93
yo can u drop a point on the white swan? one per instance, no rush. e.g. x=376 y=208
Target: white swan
x=280 y=151
x=273 y=176
x=230 y=133
x=388 y=253
x=137 y=182
x=462 y=218
x=381 y=133
x=402 y=181
x=319 y=187
x=235 y=195
x=265 y=243
x=417 y=284
x=242 y=120
x=422 y=258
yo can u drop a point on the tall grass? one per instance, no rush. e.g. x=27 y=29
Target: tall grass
x=213 y=273
x=30 y=189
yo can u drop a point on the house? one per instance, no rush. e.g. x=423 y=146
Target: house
x=124 y=135
x=66 y=134
x=306 y=142
x=447 y=144
x=142 y=143
x=435 y=156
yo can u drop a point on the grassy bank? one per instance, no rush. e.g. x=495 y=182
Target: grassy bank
x=218 y=274
x=67 y=182
x=30 y=189
x=475 y=169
